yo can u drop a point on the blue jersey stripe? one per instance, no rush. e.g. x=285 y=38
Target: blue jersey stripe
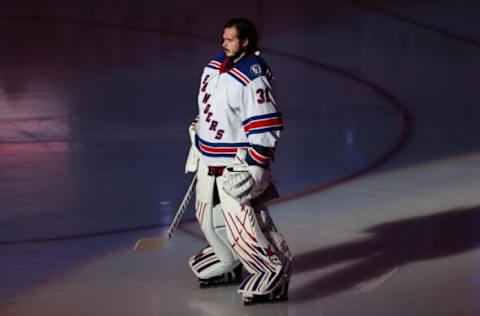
x=236 y=145
x=261 y=117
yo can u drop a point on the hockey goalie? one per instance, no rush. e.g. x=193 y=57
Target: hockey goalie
x=233 y=143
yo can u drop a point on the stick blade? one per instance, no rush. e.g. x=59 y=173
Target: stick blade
x=150 y=244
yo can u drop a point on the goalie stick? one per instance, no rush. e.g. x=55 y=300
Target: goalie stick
x=155 y=243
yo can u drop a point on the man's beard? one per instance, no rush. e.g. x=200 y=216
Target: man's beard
x=237 y=54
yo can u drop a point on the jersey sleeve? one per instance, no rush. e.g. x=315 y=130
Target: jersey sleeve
x=262 y=122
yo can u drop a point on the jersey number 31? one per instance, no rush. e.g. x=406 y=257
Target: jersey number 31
x=264 y=95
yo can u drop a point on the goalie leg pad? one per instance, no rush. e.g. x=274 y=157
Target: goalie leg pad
x=272 y=234
x=232 y=277
x=262 y=251
x=218 y=258
x=209 y=269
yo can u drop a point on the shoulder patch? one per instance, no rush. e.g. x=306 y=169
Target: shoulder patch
x=256 y=69
x=251 y=67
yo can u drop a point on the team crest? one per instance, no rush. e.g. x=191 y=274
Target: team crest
x=256 y=69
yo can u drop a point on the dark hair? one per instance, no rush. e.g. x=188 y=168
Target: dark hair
x=246 y=30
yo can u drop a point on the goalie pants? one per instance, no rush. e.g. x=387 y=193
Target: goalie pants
x=238 y=233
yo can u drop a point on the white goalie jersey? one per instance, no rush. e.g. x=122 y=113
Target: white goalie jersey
x=236 y=110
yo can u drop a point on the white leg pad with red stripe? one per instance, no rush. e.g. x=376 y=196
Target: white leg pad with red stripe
x=261 y=249
x=218 y=258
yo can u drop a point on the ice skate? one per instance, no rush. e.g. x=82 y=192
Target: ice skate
x=278 y=295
